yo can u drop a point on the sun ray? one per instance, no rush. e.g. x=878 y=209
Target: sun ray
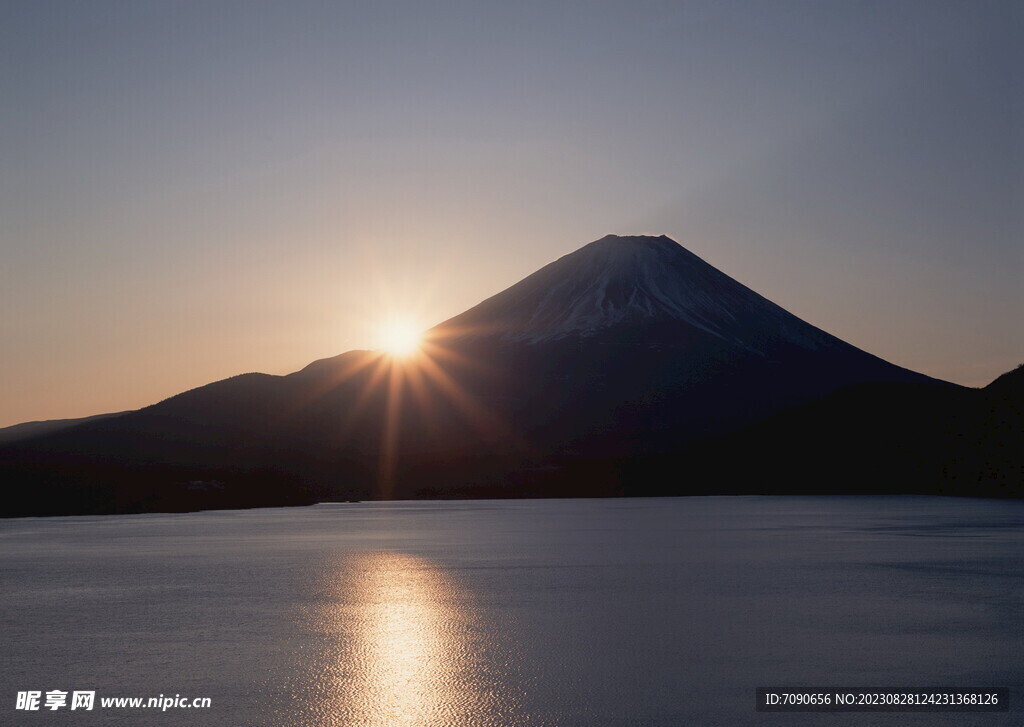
x=390 y=432
x=347 y=372
x=483 y=420
x=416 y=378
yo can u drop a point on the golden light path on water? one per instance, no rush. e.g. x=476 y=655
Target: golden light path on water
x=400 y=646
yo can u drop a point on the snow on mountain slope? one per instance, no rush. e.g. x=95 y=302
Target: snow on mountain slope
x=633 y=280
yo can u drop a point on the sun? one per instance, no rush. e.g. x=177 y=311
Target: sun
x=400 y=337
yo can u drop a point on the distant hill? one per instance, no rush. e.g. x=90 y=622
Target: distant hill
x=27 y=430
x=1009 y=385
x=575 y=381
x=868 y=438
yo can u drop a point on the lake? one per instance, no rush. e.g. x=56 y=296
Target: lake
x=517 y=612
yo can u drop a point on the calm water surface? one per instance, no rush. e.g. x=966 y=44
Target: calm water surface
x=538 y=612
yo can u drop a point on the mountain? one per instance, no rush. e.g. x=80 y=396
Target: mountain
x=636 y=343
x=627 y=281
x=1008 y=386
x=28 y=430
x=873 y=437
x=628 y=350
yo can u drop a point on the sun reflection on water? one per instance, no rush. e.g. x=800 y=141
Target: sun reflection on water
x=401 y=647
x=411 y=660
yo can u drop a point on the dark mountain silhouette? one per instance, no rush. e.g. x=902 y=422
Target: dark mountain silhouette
x=27 y=430
x=619 y=357
x=868 y=438
x=1009 y=385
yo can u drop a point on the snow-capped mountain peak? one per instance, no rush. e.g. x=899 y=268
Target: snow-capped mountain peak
x=633 y=280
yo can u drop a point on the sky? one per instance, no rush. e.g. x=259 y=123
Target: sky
x=200 y=188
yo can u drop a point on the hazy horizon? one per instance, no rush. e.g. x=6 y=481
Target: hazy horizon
x=191 y=191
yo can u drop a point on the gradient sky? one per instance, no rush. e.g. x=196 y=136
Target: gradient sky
x=195 y=189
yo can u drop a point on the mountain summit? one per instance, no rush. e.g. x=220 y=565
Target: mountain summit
x=629 y=281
